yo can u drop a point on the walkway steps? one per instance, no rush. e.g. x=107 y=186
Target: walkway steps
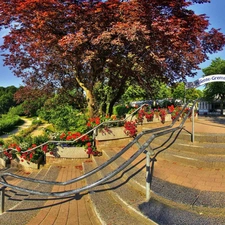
x=199 y=154
x=116 y=201
x=72 y=210
x=175 y=204
x=22 y=205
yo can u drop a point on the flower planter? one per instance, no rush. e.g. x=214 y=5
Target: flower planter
x=115 y=133
x=4 y=163
x=68 y=152
x=28 y=164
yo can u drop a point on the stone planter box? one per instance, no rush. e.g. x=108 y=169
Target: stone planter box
x=114 y=133
x=69 y=152
x=155 y=118
x=28 y=164
x=4 y=163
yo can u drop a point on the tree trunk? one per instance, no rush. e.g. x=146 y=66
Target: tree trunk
x=89 y=98
x=90 y=102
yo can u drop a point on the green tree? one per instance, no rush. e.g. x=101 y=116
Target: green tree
x=215 y=90
x=7 y=98
x=181 y=93
x=134 y=93
x=163 y=91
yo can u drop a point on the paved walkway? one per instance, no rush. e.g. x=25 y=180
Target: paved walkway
x=204 y=179
x=67 y=211
x=207 y=125
x=79 y=212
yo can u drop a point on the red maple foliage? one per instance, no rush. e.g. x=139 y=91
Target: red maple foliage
x=56 y=43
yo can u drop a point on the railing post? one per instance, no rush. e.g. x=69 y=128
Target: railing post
x=148 y=175
x=2 y=200
x=193 y=125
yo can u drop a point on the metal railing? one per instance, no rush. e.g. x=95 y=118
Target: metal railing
x=157 y=132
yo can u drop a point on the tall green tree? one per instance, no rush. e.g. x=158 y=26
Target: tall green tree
x=7 y=98
x=180 y=92
x=61 y=44
x=215 y=90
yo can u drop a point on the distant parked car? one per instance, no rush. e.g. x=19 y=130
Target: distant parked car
x=140 y=103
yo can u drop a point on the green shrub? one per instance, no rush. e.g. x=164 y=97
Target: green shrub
x=8 y=123
x=36 y=121
x=120 y=110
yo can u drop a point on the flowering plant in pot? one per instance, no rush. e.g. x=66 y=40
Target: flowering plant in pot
x=162 y=114
x=174 y=111
x=130 y=128
x=22 y=153
x=83 y=141
x=149 y=115
x=140 y=116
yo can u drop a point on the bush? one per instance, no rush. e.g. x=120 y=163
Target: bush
x=8 y=123
x=121 y=110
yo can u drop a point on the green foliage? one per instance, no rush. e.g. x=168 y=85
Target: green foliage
x=215 y=90
x=64 y=117
x=36 y=121
x=120 y=110
x=17 y=110
x=179 y=92
x=29 y=130
x=7 y=98
x=8 y=123
x=1 y=141
x=163 y=91
x=134 y=93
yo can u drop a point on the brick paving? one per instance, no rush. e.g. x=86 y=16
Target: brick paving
x=204 y=179
x=79 y=211
x=67 y=211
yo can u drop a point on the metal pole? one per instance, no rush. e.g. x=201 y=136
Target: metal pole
x=193 y=125
x=2 y=200
x=148 y=176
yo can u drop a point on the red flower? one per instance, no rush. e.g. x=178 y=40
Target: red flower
x=62 y=136
x=45 y=148
x=97 y=120
x=89 y=144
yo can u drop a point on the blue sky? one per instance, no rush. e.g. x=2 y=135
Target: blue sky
x=214 y=10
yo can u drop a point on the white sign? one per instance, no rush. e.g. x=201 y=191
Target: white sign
x=205 y=80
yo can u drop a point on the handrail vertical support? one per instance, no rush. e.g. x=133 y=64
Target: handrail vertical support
x=193 y=125
x=2 y=200
x=148 y=175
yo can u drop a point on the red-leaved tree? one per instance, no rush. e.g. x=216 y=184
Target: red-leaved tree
x=54 y=43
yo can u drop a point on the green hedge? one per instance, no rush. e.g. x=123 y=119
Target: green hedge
x=8 y=123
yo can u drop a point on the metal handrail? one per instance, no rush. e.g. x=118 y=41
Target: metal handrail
x=78 y=138
x=92 y=130
x=104 y=164
x=156 y=133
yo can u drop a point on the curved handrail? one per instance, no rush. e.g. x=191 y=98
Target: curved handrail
x=101 y=166
x=157 y=132
x=78 y=138
x=93 y=130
